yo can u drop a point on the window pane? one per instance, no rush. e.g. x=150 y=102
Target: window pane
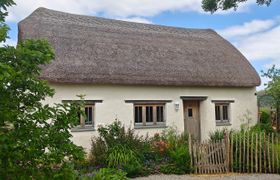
x=149 y=113
x=79 y=118
x=159 y=113
x=190 y=112
x=217 y=112
x=138 y=114
x=225 y=112
x=88 y=118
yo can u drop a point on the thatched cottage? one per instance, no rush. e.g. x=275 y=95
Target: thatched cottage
x=147 y=76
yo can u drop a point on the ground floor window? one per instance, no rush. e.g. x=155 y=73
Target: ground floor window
x=88 y=117
x=222 y=113
x=149 y=114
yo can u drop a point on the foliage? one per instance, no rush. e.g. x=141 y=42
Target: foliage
x=165 y=152
x=264 y=100
x=265 y=116
x=181 y=158
x=262 y=127
x=273 y=86
x=35 y=138
x=120 y=148
x=171 y=151
x=218 y=134
x=213 y=5
x=170 y=169
x=120 y=155
x=98 y=151
x=105 y=174
x=134 y=169
x=115 y=134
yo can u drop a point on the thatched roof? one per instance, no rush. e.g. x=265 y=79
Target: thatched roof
x=103 y=51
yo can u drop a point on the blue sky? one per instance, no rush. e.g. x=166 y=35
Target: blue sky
x=253 y=29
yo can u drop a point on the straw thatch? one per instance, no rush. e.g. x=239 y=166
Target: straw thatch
x=103 y=51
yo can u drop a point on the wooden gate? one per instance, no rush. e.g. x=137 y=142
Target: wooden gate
x=209 y=157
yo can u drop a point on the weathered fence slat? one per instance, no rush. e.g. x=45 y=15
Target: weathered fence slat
x=260 y=157
x=277 y=156
x=272 y=152
x=268 y=153
x=254 y=153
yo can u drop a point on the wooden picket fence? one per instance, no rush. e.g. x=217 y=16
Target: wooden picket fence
x=243 y=152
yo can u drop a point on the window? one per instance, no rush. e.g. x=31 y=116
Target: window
x=222 y=113
x=190 y=112
x=149 y=115
x=88 y=118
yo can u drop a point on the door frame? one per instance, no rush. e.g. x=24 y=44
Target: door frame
x=198 y=99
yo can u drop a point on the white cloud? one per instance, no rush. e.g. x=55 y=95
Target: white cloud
x=258 y=40
x=247 y=28
x=262 y=46
x=136 y=19
x=110 y=8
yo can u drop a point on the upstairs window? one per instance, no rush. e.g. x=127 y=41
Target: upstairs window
x=145 y=115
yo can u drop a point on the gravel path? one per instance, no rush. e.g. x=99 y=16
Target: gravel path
x=213 y=177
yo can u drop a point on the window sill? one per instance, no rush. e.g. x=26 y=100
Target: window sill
x=150 y=126
x=223 y=124
x=82 y=129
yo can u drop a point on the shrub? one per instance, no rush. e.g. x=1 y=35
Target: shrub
x=98 y=152
x=217 y=135
x=170 y=169
x=117 y=147
x=172 y=153
x=106 y=174
x=120 y=155
x=181 y=158
x=134 y=169
x=116 y=133
x=261 y=127
x=265 y=116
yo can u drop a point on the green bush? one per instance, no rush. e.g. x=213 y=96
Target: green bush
x=117 y=147
x=181 y=158
x=171 y=151
x=98 y=152
x=134 y=169
x=120 y=155
x=265 y=116
x=170 y=169
x=115 y=134
x=108 y=174
x=262 y=127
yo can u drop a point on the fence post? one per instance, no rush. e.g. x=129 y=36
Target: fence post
x=190 y=148
x=227 y=148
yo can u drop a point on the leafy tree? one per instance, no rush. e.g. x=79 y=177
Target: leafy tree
x=34 y=138
x=273 y=87
x=213 y=5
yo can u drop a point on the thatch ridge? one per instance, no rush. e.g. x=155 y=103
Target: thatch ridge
x=104 y=51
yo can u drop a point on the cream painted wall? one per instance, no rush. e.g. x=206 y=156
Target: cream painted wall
x=114 y=106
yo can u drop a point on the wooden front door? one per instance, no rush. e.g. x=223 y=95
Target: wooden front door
x=191 y=118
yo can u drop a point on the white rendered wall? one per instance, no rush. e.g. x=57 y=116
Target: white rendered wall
x=114 y=106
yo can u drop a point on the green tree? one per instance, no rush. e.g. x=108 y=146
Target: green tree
x=213 y=5
x=273 y=88
x=34 y=138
